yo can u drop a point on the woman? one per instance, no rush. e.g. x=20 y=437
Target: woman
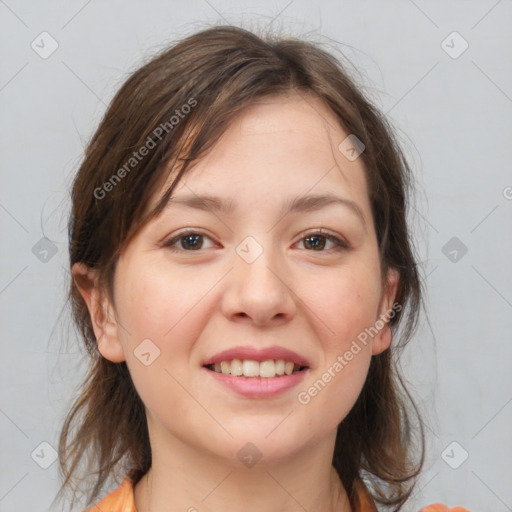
x=241 y=264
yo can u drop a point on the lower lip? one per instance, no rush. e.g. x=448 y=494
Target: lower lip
x=258 y=387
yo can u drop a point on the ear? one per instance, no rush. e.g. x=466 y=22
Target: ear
x=101 y=311
x=382 y=339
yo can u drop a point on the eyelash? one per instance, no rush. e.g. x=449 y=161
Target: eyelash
x=339 y=245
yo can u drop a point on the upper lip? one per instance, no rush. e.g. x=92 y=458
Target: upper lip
x=257 y=354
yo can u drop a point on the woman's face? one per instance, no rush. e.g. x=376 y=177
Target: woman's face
x=256 y=279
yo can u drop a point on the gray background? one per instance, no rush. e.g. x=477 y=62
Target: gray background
x=454 y=118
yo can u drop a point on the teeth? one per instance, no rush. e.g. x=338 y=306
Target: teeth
x=268 y=368
x=249 y=368
x=236 y=367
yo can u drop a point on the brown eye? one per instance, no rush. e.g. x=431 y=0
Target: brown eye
x=187 y=241
x=317 y=241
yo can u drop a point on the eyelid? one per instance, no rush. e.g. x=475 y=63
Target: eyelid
x=325 y=233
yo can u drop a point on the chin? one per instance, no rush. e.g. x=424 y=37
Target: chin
x=261 y=446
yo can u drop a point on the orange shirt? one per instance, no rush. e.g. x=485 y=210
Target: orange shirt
x=122 y=500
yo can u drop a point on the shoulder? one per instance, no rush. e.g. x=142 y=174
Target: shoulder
x=120 y=500
x=367 y=504
x=438 y=507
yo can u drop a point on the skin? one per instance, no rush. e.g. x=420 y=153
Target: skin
x=193 y=304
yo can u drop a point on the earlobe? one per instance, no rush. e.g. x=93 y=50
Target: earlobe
x=101 y=312
x=382 y=340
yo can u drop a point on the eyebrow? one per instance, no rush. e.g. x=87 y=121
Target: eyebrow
x=301 y=204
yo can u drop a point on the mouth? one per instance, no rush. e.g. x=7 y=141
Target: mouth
x=257 y=372
x=253 y=369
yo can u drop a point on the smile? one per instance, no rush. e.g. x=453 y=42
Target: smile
x=250 y=368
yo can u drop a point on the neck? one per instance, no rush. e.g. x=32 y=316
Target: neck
x=182 y=477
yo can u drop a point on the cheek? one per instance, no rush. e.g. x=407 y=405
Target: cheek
x=346 y=303
x=345 y=307
x=162 y=315
x=157 y=305
x=330 y=396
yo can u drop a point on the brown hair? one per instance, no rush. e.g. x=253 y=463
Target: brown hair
x=218 y=72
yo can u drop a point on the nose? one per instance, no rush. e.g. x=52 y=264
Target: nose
x=261 y=290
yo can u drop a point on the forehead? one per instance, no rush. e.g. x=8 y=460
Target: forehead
x=293 y=112
x=287 y=143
